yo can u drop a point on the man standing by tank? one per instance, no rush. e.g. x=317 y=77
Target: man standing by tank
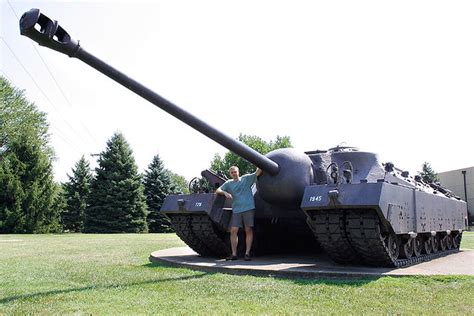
x=239 y=189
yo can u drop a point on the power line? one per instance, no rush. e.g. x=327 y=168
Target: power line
x=44 y=94
x=59 y=133
x=65 y=140
x=53 y=77
x=28 y=73
x=13 y=10
x=37 y=86
x=62 y=92
x=6 y=76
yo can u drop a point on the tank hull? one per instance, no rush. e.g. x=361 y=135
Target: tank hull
x=404 y=209
x=383 y=219
x=383 y=224
x=201 y=221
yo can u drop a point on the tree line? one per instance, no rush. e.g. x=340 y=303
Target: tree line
x=116 y=198
x=113 y=198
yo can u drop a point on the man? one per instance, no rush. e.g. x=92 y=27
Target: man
x=239 y=189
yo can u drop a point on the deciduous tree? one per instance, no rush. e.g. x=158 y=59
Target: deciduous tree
x=179 y=184
x=28 y=193
x=230 y=159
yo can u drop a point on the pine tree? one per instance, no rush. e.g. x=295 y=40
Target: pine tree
x=59 y=205
x=428 y=174
x=116 y=201
x=76 y=192
x=158 y=185
x=28 y=193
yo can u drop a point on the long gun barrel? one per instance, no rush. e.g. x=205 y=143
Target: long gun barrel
x=49 y=33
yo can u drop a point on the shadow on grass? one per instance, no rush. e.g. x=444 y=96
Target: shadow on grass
x=335 y=281
x=310 y=280
x=96 y=287
x=355 y=281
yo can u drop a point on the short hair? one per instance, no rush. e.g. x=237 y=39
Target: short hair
x=233 y=167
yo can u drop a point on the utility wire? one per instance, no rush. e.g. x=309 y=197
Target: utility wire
x=59 y=133
x=65 y=140
x=28 y=73
x=52 y=76
x=44 y=94
x=11 y=7
x=39 y=88
x=62 y=92
x=6 y=76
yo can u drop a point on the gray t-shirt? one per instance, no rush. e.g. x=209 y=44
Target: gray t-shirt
x=241 y=190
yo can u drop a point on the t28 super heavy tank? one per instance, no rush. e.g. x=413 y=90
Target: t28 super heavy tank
x=362 y=211
x=359 y=210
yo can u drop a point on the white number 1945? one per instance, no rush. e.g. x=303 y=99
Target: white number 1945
x=315 y=198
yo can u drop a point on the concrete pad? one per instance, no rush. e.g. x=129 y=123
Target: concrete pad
x=317 y=266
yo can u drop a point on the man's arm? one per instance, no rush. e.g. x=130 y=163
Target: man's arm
x=221 y=192
x=251 y=178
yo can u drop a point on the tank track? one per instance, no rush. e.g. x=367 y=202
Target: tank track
x=329 y=229
x=200 y=234
x=355 y=236
x=209 y=235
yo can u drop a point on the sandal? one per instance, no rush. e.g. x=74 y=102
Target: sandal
x=231 y=258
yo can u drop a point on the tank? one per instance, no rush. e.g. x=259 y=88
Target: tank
x=357 y=209
x=366 y=212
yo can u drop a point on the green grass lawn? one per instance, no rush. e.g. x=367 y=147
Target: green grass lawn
x=110 y=274
x=467 y=240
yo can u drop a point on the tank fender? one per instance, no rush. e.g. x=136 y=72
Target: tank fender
x=405 y=209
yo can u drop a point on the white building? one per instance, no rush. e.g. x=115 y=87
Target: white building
x=461 y=182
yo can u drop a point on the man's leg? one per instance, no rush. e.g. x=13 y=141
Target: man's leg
x=234 y=239
x=248 y=239
x=235 y=224
x=248 y=219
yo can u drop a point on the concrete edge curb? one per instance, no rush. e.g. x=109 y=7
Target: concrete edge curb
x=268 y=273
x=183 y=261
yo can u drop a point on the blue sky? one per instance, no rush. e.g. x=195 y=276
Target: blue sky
x=395 y=78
